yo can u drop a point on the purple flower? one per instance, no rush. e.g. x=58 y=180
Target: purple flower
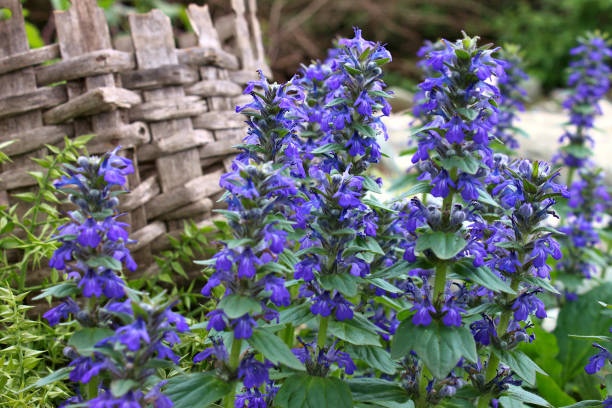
x=305 y=268
x=60 y=312
x=343 y=308
x=483 y=330
x=423 y=310
x=132 y=334
x=218 y=351
x=453 y=314
x=246 y=264
x=322 y=305
x=252 y=372
x=91 y=283
x=216 y=320
x=113 y=284
x=243 y=327
x=88 y=235
x=280 y=295
x=114 y=168
x=85 y=368
x=527 y=303
x=597 y=361
x=276 y=238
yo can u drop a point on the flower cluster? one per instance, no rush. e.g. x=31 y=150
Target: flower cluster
x=512 y=96
x=121 y=367
x=462 y=106
x=271 y=136
x=589 y=79
x=589 y=199
x=263 y=206
x=245 y=267
x=355 y=93
x=93 y=245
x=119 y=344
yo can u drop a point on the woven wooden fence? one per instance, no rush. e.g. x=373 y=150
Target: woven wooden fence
x=171 y=108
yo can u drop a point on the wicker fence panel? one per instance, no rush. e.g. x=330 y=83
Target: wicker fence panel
x=172 y=109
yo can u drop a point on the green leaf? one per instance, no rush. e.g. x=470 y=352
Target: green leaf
x=235 y=306
x=274 y=349
x=354 y=332
x=58 y=375
x=296 y=315
x=377 y=390
x=444 y=244
x=235 y=243
x=60 y=290
x=337 y=101
x=384 y=285
x=345 y=283
x=27 y=197
x=521 y=364
x=462 y=54
x=468 y=113
x=551 y=391
x=483 y=276
x=366 y=131
x=468 y=164
x=523 y=395
x=371 y=185
x=507 y=402
x=579 y=151
x=305 y=391
x=581 y=317
x=585 y=404
x=196 y=390
x=376 y=357
x=440 y=347
x=543 y=283
x=120 y=387
x=105 y=261
x=85 y=339
x=330 y=147
x=485 y=197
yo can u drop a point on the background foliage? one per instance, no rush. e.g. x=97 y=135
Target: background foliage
x=300 y=30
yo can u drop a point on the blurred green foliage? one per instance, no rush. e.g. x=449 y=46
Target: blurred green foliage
x=297 y=31
x=547 y=29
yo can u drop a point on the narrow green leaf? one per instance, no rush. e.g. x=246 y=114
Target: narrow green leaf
x=274 y=349
x=196 y=390
x=235 y=306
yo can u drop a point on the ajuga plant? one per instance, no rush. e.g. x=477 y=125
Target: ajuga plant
x=589 y=80
x=475 y=253
x=247 y=280
x=512 y=98
x=27 y=235
x=119 y=345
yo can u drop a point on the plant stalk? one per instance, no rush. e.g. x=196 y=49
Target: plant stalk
x=504 y=320
x=234 y=362
x=322 y=336
x=440 y=280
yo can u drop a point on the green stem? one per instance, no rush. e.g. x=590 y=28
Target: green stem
x=440 y=280
x=504 y=320
x=92 y=388
x=422 y=401
x=483 y=401
x=234 y=362
x=570 y=176
x=235 y=354
x=322 y=336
